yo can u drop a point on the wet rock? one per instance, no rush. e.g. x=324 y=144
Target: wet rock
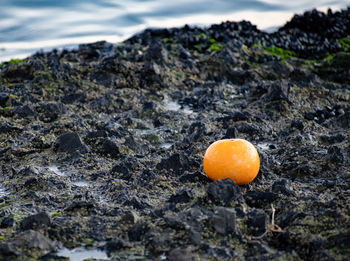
x=137 y=231
x=126 y=168
x=181 y=196
x=70 y=142
x=260 y=198
x=6 y=127
x=4 y=97
x=35 y=222
x=51 y=111
x=7 y=222
x=194 y=177
x=25 y=111
x=130 y=217
x=29 y=243
x=224 y=221
x=116 y=244
x=283 y=186
x=110 y=148
x=176 y=162
x=179 y=254
x=224 y=192
x=257 y=222
x=335 y=155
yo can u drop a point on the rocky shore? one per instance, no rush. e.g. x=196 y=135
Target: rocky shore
x=101 y=147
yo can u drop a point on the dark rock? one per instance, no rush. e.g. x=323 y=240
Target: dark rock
x=130 y=217
x=137 y=231
x=7 y=222
x=37 y=221
x=176 y=162
x=298 y=124
x=260 y=198
x=96 y=134
x=6 y=127
x=110 y=148
x=27 y=241
x=179 y=254
x=4 y=97
x=116 y=244
x=194 y=177
x=224 y=221
x=181 y=196
x=276 y=92
x=74 y=97
x=335 y=155
x=51 y=111
x=257 y=221
x=126 y=168
x=283 y=186
x=224 y=192
x=25 y=111
x=231 y=133
x=70 y=142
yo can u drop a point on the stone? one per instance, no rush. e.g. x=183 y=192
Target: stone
x=224 y=221
x=70 y=142
x=224 y=192
x=37 y=221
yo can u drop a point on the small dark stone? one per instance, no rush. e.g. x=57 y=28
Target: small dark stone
x=51 y=111
x=6 y=127
x=259 y=198
x=126 y=168
x=137 y=231
x=231 y=133
x=176 y=162
x=116 y=244
x=283 y=186
x=96 y=134
x=37 y=221
x=335 y=155
x=194 y=177
x=277 y=92
x=25 y=111
x=257 y=221
x=224 y=221
x=110 y=148
x=181 y=196
x=224 y=192
x=4 y=97
x=70 y=142
x=298 y=124
x=7 y=222
x=180 y=254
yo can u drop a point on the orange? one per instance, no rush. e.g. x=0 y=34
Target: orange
x=236 y=159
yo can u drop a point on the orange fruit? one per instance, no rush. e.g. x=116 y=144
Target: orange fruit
x=236 y=159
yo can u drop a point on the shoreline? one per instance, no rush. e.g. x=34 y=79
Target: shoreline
x=101 y=147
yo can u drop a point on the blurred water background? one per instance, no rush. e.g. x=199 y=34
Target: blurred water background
x=27 y=26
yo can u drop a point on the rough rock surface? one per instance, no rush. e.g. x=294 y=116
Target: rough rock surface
x=102 y=146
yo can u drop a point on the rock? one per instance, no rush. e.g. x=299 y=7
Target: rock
x=181 y=196
x=51 y=111
x=276 y=92
x=257 y=221
x=70 y=142
x=180 y=254
x=335 y=155
x=283 y=186
x=116 y=244
x=4 y=97
x=25 y=111
x=260 y=198
x=130 y=217
x=7 y=222
x=194 y=177
x=6 y=127
x=224 y=221
x=176 y=162
x=110 y=148
x=35 y=222
x=126 y=168
x=29 y=243
x=224 y=192
x=137 y=231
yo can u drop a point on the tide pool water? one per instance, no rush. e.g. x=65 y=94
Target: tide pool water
x=27 y=26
